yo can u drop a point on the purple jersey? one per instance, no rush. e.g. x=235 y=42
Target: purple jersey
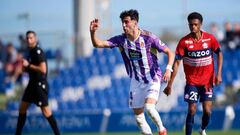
x=140 y=56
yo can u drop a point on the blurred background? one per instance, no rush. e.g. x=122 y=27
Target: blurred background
x=89 y=87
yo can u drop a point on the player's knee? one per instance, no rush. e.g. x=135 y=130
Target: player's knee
x=150 y=107
x=207 y=112
x=46 y=111
x=192 y=110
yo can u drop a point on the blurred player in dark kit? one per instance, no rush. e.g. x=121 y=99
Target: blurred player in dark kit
x=37 y=89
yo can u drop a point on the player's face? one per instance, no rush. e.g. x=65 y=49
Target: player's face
x=31 y=40
x=128 y=25
x=195 y=25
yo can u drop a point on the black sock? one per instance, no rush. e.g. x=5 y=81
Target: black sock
x=53 y=124
x=205 y=121
x=20 y=123
x=189 y=124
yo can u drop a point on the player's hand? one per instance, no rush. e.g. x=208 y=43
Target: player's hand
x=218 y=79
x=166 y=75
x=19 y=69
x=168 y=90
x=94 y=24
x=25 y=63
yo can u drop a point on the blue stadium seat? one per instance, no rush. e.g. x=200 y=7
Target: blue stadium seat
x=90 y=97
x=12 y=106
x=81 y=104
x=62 y=105
x=72 y=105
x=57 y=83
x=77 y=80
x=79 y=62
x=99 y=96
x=219 y=89
x=182 y=105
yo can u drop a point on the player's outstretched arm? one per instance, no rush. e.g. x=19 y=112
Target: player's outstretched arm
x=98 y=43
x=168 y=88
x=219 y=69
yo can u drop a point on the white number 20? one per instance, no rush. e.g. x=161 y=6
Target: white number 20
x=193 y=96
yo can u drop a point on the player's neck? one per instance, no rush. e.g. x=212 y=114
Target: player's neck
x=32 y=46
x=197 y=36
x=135 y=34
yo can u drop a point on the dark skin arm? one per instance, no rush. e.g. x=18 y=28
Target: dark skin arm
x=219 y=69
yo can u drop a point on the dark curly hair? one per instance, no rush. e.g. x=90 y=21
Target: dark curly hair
x=195 y=15
x=132 y=13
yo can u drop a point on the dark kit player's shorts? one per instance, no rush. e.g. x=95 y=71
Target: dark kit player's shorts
x=192 y=93
x=37 y=93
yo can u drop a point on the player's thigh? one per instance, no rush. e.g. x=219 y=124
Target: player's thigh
x=152 y=92
x=191 y=93
x=136 y=95
x=138 y=111
x=136 y=98
x=23 y=107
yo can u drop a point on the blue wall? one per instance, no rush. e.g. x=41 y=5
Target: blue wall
x=119 y=121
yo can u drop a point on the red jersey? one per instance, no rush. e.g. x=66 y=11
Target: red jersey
x=197 y=58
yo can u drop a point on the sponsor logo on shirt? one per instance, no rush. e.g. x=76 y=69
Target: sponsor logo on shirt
x=204 y=40
x=205 y=45
x=199 y=53
x=38 y=51
x=142 y=44
x=134 y=55
x=191 y=46
x=188 y=42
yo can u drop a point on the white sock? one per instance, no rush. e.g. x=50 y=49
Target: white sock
x=154 y=115
x=143 y=125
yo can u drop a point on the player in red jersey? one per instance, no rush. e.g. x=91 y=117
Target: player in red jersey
x=196 y=51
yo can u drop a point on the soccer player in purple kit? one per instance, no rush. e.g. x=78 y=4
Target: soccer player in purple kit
x=139 y=51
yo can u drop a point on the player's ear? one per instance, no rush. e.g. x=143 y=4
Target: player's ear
x=135 y=23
